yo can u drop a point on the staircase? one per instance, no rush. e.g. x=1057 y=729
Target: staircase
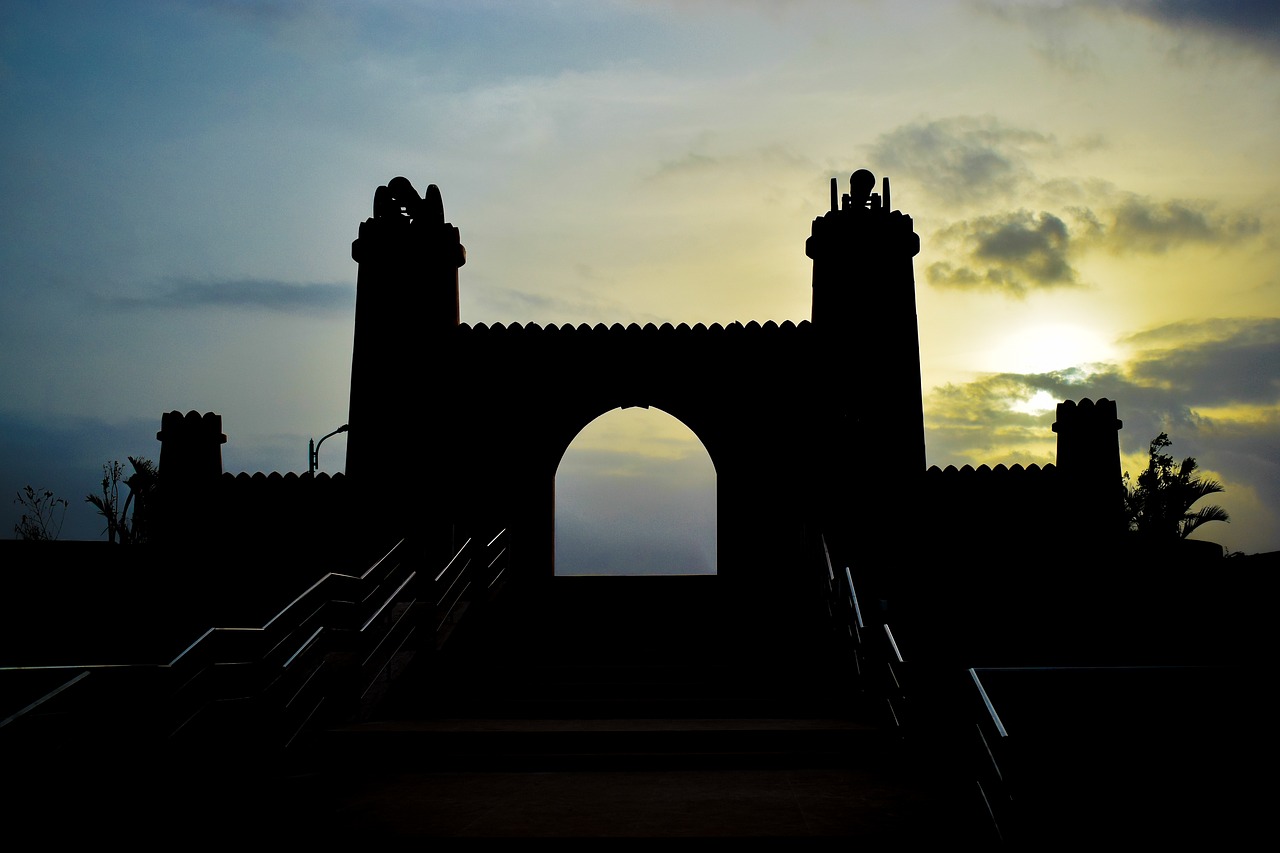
x=459 y=704
x=618 y=708
x=628 y=708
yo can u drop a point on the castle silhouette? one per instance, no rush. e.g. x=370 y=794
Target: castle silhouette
x=810 y=424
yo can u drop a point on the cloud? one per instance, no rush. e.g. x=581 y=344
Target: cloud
x=751 y=162
x=247 y=294
x=1253 y=22
x=961 y=160
x=1152 y=226
x=966 y=161
x=1016 y=252
x=1220 y=362
x=1010 y=252
x=968 y=422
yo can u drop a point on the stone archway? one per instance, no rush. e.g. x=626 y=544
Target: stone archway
x=635 y=494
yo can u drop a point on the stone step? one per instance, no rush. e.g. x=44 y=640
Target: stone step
x=557 y=689
x=598 y=743
x=626 y=778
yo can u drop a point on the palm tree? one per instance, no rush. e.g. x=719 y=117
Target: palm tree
x=1160 y=505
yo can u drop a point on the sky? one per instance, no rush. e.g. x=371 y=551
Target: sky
x=1095 y=186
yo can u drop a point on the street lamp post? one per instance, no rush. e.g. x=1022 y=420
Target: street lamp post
x=313 y=450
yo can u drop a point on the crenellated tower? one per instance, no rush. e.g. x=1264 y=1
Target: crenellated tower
x=1089 y=459
x=191 y=459
x=864 y=315
x=406 y=312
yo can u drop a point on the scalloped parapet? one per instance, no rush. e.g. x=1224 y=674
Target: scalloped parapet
x=635 y=330
x=309 y=506
x=1087 y=415
x=190 y=445
x=1012 y=507
x=1089 y=455
x=1088 y=439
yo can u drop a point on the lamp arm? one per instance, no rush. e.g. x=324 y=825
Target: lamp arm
x=315 y=449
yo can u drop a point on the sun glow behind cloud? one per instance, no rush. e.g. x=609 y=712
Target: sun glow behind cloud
x=1044 y=347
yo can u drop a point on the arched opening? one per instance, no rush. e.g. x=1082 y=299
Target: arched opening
x=635 y=495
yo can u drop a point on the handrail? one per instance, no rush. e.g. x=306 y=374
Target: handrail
x=853 y=597
x=877 y=659
x=66 y=685
x=303 y=654
x=989 y=763
x=986 y=703
x=1039 y=732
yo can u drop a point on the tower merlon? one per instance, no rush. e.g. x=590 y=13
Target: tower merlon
x=403 y=222
x=862 y=223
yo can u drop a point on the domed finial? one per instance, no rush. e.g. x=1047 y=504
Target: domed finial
x=404 y=193
x=433 y=205
x=861 y=183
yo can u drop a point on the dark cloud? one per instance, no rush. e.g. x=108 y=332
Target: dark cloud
x=1255 y=22
x=1018 y=251
x=1241 y=366
x=1011 y=252
x=961 y=160
x=248 y=294
x=1146 y=225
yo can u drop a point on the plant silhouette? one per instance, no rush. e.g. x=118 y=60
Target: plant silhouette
x=1159 y=505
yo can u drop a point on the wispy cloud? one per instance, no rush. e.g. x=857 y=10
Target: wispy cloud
x=567 y=304
x=1148 y=225
x=964 y=159
x=246 y=294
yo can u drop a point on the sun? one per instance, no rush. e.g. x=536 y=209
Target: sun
x=1047 y=347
